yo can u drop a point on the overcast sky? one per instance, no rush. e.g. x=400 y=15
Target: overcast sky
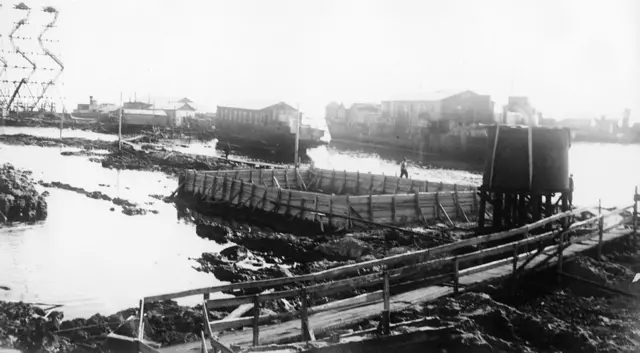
x=570 y=57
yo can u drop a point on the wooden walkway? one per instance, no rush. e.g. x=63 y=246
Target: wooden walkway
x=332 y=319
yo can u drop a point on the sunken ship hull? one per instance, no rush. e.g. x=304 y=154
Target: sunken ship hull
x=268 y=133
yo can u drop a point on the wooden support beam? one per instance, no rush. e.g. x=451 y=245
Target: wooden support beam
x=307 y=332
x=256 y=321
x=276 y=183
x=445 y=213
x=304 y=186
x=386 y=297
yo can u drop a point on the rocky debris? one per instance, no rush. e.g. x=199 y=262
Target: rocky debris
x=19 y=200
x=346 y=248
x=25 y=327
x=158 y=159
x=129 y=208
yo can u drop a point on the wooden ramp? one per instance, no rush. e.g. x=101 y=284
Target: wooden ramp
x=325 y=321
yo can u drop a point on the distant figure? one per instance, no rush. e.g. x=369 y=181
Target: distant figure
x=570 y=196
x=403 y=169
x=226 y=152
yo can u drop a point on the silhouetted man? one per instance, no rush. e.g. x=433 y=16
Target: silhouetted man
x=403 y=169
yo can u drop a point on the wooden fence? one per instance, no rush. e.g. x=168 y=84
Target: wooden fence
x=334 y=210
x=356 y=183
x=407 y=266
x=337 y=182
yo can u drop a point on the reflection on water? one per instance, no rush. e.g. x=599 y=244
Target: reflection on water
x=90 y=258
x=95 y=260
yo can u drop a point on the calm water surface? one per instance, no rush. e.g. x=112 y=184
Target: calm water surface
x=94 y=260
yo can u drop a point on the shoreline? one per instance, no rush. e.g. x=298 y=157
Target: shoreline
x=538 y=310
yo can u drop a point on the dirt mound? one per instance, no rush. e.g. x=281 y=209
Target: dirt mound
x=19 y=200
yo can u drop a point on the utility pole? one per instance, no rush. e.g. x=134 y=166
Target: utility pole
x=298 y=120
x=120 y=125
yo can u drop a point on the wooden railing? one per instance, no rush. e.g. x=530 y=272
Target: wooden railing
x=394 y=279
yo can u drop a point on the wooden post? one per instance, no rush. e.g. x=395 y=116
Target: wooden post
x=330 y=210
x=600 y=228
x=253 y=194
x=370 y=183
x=277 y=209
x=358 y=183
x=260 y=171
x=240 y=192
x=344 y=184
x=251 y=175
x=302 y=207
x=386 y=294
x=384 y=184
x=225 y=186
x=315 y=208
x=273 y=178
x=206 y=296
x=307 y=333
x=456 y=275
x=370 y=207
x=455 y=200
x=264 y=198
x=437 y=206
x=256 y=319
x=288 y=211
x=397 y=185
x=204 y=186
x=286 y=179
x=193 y=187
x=141 y=323
x=214 y=187
x=561 y=248
x=636 y=197
x=349 y=224
x=515 y=260
x=333 y=180
x=393 y=209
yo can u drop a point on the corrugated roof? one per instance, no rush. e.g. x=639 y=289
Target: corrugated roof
x=158 y=112
x=249 y=104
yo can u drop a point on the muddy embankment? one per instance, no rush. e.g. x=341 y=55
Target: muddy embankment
x=536 y=314
x=150 y=157
x=19 y=200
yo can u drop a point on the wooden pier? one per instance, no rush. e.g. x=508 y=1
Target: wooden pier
x=402 y=280
x=337 y=199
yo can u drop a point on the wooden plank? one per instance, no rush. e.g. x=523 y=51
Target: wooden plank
x=333 y=319
x=391 y=260
x=256 y=321
x=141 y=323
x=214 y=342
x=307 y=332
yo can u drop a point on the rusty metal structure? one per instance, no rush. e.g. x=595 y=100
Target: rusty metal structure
x=20 y=92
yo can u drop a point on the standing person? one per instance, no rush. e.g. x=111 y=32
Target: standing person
x=570 y=196
x=226 y=152
x=403 y=169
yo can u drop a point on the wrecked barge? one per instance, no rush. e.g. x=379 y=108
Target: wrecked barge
x=329 y=198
